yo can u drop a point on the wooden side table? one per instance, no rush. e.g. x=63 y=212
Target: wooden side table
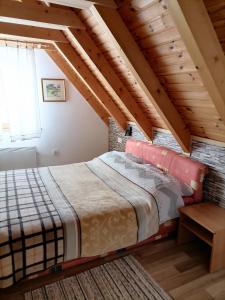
x=207 y=222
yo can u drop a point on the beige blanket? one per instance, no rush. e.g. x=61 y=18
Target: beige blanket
x=107 y=220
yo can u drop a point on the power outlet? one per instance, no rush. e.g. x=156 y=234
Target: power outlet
x=119 y=140
x=55 y=151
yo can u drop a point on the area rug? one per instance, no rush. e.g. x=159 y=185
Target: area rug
x=123 y=278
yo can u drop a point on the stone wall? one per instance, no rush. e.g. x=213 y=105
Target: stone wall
x=211 y=155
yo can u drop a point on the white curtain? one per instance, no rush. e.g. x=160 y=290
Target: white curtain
x=19 y=111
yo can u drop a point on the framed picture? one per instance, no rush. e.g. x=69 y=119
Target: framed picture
x=53 y=90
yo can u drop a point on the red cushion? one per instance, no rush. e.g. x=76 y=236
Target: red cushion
x=184 y=168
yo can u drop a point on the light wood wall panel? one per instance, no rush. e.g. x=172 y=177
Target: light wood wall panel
x=120 y=67
x=157 y=36
x=84 y=44
x=216 y=10
x=155 y=32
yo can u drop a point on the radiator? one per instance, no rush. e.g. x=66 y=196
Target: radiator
x=18 y=158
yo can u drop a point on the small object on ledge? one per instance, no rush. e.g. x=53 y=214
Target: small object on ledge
x=128 y=131
x=207 y=222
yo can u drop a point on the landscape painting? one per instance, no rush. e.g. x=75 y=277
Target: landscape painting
x=53 y=90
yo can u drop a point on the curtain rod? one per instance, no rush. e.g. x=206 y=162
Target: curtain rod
x=24 y=44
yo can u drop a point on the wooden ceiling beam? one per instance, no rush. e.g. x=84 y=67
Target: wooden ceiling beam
x=38 y=15
x=78 y=84
x=120 y=36
x=202 y=43
x=110 y=79
x=88 y=79
x=32 y=32
x=84 y=4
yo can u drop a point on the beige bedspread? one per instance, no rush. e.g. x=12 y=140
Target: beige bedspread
x=107 y=221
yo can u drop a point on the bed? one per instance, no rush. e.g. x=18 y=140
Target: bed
x=55 y=215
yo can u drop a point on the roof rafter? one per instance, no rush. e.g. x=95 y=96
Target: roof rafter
x=124 y=42
x=78 y=84
x=83 y=4
x=32 y=32
x=111 y=80
x=88 y=79
x=200 y=38
x=38 y=15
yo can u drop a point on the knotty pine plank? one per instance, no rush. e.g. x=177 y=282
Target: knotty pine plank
x=175 y=46
x=156 y=39
x=136 y=18
x=158 y=25
x=174 y=58
x=175 y=69
x=190 y=103
x=182 y=78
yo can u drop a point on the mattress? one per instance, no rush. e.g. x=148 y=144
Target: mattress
x=58 y=214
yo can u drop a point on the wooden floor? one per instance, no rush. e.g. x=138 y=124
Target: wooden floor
x=182 y=271
x=179 y=270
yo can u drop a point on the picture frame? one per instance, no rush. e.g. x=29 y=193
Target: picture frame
x=53 y=90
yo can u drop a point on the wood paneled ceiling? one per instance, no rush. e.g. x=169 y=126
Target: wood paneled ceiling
x=159 y=63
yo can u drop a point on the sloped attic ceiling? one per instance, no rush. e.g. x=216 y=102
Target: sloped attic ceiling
x=146 y=61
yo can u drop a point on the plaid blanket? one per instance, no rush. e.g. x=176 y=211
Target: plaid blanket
x=31 y=232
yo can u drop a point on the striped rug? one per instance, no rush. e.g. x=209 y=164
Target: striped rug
x=123 y=278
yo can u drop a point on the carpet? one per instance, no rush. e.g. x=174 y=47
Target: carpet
x=123 y=278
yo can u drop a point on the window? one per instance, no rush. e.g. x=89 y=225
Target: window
x=19 y=111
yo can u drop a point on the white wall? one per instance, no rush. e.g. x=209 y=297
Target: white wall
x=71 y=128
